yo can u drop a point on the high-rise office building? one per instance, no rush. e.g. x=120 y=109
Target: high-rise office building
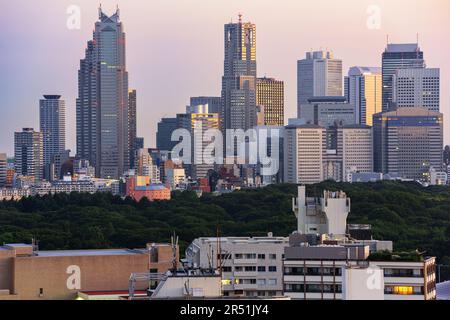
x=270 y=95
x=132 y=124
x=52 y=119
x=164 y=134
x=328 y=111
x=395 y=57
x=447 y=155
x=408 y=141
x=320 y=74
x=102 y=104
x=239 y=78
x=304 y=145
x=363 y=89
x=196 y=118
x=417 y=87
x=29 y=153
x=214 y=103
x=3 y=169
x=349 y=149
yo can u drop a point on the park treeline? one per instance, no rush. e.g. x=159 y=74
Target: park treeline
x=412 y=216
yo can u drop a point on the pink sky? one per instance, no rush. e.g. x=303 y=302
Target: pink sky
x=175 y=49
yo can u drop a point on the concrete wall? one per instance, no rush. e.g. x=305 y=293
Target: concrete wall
x=56 y=278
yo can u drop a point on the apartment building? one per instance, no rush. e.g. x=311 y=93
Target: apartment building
x=329 y=260
x=250 y=267
x=325 y=273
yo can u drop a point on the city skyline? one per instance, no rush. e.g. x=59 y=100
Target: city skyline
x=153 y=68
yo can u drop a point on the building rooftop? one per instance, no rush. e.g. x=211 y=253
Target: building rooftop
x=411 y=111
x=356 y=71
x=52 y=96
x=245 y=239
x=106 y=252
x=304 y=126
x=327 y=99
x=404 y=47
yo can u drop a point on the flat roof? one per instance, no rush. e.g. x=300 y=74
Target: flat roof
x=78 y=253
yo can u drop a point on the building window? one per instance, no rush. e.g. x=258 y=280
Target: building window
x=261 y=256
x=272 y=269
x=226 y=269
x=261 y=269
x=272 y=256
x=272 y=282
x=261 y=282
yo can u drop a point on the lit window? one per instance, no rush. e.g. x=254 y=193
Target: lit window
x=403 y=290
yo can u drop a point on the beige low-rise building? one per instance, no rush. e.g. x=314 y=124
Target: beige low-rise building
x=29 y=274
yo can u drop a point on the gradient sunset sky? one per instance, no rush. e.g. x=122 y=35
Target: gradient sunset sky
x=175 y=49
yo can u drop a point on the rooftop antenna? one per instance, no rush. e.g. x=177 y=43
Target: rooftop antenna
x=117 y=10
x=100 y=10
x=174 y=240
x=240 y=17
x=387 y=39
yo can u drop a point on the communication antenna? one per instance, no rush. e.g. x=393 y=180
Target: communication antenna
x=174 y=241
x=240 y=17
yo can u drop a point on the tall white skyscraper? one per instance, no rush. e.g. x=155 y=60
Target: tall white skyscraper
x=52 y=120
x=363 y=90
x=102 y=104
x=304 y=145
x=417 y=87
x=320 y=74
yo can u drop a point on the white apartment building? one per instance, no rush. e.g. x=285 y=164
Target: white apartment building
x=303 y=149
x=14 y=193
x=250 y=267
x=324 y=273
x=417 y=87
x=323 y=262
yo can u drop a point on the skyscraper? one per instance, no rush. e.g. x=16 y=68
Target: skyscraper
x=320 y=74
x=52 y=119
x=239 y=78
x=3 y=169
x=199 y=117
x=214 y=103
x=304 y=146
x=328 y=111
x=408 y=142
x=363 y=89
x=417 y=87
x=270 y=95
x=102 y=104
x=349 y=149
x=29 y=153
x=164 y=134
x=398 y=56
x=132 y=124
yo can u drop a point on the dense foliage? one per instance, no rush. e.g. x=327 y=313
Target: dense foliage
x=412 y=216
